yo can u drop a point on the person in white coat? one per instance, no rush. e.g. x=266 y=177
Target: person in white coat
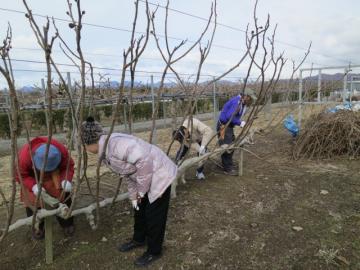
x=200 y=135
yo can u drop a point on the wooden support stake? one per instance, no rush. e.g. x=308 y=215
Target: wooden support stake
x=241 y=162
x=50 y=203
x=173 y=188
x=49 y=256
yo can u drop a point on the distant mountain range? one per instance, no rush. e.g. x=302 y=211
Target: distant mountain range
x=28 y=88
x=110 y=84
x=116 y=84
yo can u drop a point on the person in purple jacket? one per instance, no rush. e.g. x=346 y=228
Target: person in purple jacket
x=149 y=173
x=232 y=112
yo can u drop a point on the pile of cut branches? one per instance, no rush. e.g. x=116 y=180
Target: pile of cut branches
x=328 y=135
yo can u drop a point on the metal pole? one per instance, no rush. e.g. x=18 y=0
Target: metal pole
x=68 y=76
x=153 y=108
x=319 y=87
x=331 y=67
x=7 y=98
x=125 y=117
x=45 y=93
x=44 y=89
x=300 y=97
x=215 y=105
x=345 y=82
x=164 y=112
x=351 y=88
x=71 y=135
x=173 y=113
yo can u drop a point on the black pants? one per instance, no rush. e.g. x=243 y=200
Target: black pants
x=150 y=222
x=64 y=223
x=226 y=157
x=182 y=152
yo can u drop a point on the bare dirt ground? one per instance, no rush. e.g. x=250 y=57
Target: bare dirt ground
x=281 y=214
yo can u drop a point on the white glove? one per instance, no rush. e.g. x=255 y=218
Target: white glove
x=35 y=189
x=66 y=185
x=135 y=204
x=202 y=150
x=242 y=124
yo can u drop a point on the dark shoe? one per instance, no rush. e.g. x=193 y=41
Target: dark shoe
x=146 y=259
x=38 y=234
x=130 y=246
x=69 y=231
x=231 y=172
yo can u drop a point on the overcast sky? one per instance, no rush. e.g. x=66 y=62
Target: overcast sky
x=332 y=26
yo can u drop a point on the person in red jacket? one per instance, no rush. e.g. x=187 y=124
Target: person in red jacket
x=57 y=181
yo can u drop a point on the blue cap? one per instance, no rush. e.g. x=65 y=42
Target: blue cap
x=53 y=158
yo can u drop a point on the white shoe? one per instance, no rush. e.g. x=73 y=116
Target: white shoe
x=200 y=176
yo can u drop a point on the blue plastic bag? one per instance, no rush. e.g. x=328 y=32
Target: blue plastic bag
x=332 y=110
x=346 y=106
x=291 y=125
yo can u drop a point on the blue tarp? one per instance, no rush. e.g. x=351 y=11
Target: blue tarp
x=291 y=125
x=345 y=106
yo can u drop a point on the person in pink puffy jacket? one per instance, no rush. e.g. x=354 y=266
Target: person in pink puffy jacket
x=149 y=172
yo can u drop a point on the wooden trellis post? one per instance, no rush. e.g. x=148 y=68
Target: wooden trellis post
x=50 y=203
x=49 y=255
x=268 y=109
x=241 y=162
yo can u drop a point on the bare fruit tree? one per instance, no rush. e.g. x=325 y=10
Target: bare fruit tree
x=46 y=42
x=13 y=114
x=259 y=59
x=135 y=50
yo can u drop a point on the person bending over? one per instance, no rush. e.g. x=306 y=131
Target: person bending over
x=57 y=181
x=200 y=135
x=149 y=174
